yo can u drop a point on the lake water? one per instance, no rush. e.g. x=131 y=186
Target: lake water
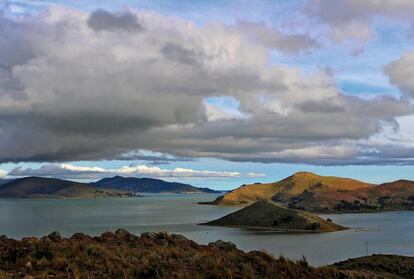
x=390 y=232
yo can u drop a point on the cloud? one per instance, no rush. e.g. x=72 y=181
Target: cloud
x=215 y=113
x=275 y=39
x=179 y=54
x=401 y=72
x=72 y=93
x=2 y=173
x=103 y=20
x=354 y=19
x=68 y=171
x=151 y=156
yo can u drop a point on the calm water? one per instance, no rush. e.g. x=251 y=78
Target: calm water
x=391 y=232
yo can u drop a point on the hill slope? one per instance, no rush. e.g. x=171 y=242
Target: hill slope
x=289 y=187
x=149 y=185
x=265 y=214
x=40 y=187
x=4 y=181
x=398 y=195
x=311 y=192
x=383 y=266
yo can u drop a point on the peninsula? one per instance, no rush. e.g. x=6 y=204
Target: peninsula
x=325 y=194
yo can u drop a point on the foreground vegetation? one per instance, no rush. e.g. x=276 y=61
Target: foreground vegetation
x=151 y=255
x=387 y=266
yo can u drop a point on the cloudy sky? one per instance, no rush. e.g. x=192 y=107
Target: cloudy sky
x=214 y=93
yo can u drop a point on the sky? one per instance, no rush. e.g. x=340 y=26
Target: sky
x=211 y=93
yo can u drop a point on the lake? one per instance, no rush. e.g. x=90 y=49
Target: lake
x=389 y=232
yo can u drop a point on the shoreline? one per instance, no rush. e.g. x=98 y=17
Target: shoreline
x=278 y=230
x=245 y=204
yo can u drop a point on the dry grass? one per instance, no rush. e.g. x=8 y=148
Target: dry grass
x=292 y=185
x=328 y=194
x=153 y=255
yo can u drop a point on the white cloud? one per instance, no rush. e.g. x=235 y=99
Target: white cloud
x=354 y=19
x=2 y=173
x=82 y=172
x=275 y=39
x=318 y=152
x=401 y=72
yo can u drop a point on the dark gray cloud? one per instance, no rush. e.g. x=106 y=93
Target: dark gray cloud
x=14 y=48
x=103 y=20
x=179 y=54
x=76 y=94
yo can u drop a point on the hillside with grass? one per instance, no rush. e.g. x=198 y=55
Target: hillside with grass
x=328 y=194
x=382 y=266
x=289 y=187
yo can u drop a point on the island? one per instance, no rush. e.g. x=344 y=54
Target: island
x=268 y=215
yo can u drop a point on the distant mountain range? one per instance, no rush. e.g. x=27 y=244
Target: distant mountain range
x=149 y=185
x=312 y=192
x=40 y=187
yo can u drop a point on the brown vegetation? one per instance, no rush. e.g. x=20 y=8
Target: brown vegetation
x=386 y=266
x=151 y=255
